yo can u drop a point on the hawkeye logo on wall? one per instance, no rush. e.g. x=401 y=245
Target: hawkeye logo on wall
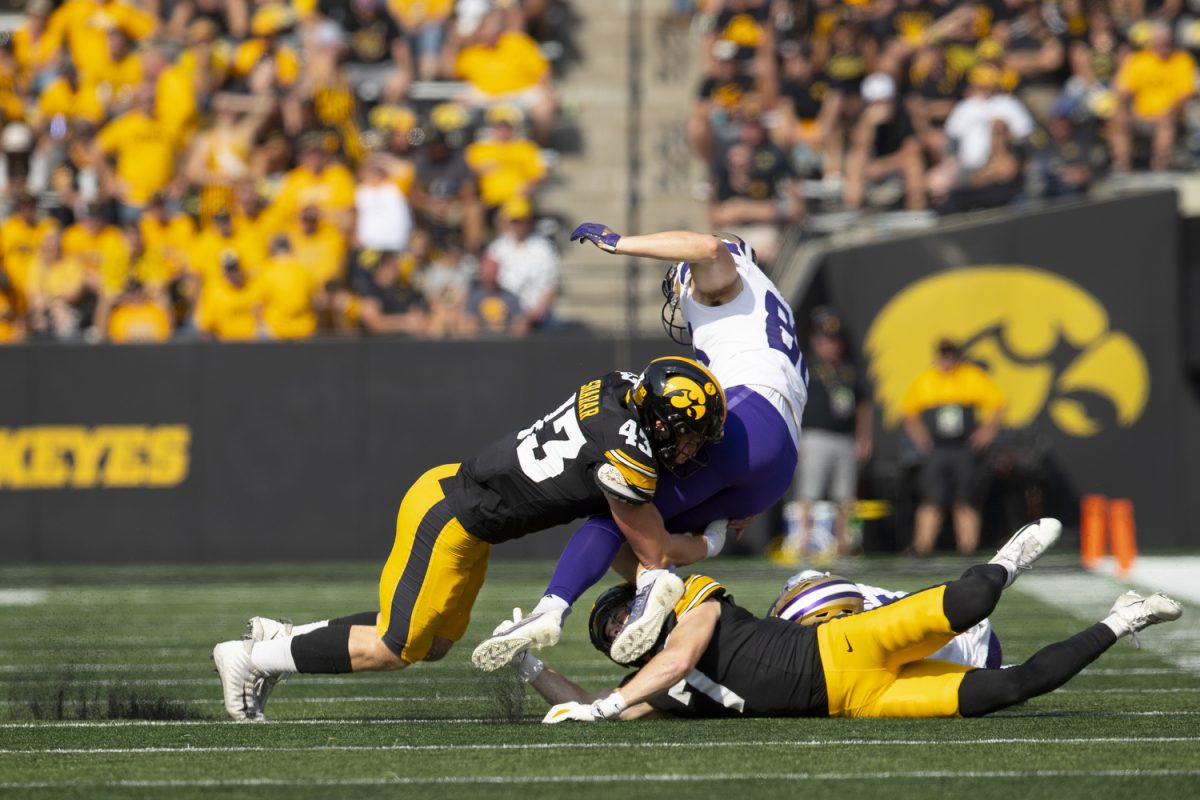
x=103 y=457
x=1045 y=340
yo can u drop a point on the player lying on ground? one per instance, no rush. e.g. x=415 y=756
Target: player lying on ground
x=810 y=597
x=601 y=450
x=717 y=659
x=740 y=326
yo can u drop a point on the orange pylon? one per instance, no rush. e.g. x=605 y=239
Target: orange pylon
x=1124 y=534
x=1093 y=527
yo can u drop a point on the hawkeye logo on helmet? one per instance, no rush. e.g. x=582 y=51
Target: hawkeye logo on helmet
x=688 y=396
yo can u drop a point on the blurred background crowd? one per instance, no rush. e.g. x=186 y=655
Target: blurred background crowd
x=936 y=105
x=237 y=169
x=241 y=169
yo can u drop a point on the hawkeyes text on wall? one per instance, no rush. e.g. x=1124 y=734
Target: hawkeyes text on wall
x=101 y=457
x=1044 y=339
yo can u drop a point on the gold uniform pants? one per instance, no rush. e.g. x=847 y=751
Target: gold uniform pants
x=876 y=662
x=434 y=572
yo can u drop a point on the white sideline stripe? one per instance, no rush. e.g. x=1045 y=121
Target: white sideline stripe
x=137 y=723
x=654 y=778
x=22 y=597
x=1138 y=741
x=385 y=698
x=202 y=664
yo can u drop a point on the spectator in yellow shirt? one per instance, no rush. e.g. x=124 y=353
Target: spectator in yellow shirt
x=952 y=412
x=507 y=66
x=20 y=236
x=99 y=247
x=425 y=22
x=1152 y=87
x=319 y=246
x=144 y=152
x=218 y=238
x=287 y=294
x=59 y=294
x=84 y=24
x=12 y=323
x=137 y=317
x=508 y=165
x=317 y=181
x=229 y=305
x=220 y=155
x=33 y=50
x=169 y=234
x=67 y=99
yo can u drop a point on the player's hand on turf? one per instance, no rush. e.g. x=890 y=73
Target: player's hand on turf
x=597 y=234
x=572 y=710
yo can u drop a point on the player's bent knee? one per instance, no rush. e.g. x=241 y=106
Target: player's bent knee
x=439 y=649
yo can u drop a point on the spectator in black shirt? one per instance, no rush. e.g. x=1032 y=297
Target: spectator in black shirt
x=713 y=124
x=883 y=144
x=491 y=310
x=378 y=61
x=756 y=191
x=808 y=111
x=387 y=305
x=933 y=89
x=445 y=192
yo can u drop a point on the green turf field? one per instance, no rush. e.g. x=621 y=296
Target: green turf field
x=79 y=646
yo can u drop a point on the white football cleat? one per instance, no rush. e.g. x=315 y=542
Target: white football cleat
x=539 y=629
x=647 y=614
x=1026 y=546
x=264 y=629
x=1137 y=612
x=238 y=680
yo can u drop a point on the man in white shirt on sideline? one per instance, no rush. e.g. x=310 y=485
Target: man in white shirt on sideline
x=529 y=264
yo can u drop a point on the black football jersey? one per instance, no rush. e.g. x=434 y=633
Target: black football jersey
x=752 y=667
x=560 y=468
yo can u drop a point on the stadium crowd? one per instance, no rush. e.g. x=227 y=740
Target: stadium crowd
x=242 y=169
x=936 y=104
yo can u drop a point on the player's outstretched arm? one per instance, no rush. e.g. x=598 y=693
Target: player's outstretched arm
x=679 y=657
x=713 y=272
x=682 y=652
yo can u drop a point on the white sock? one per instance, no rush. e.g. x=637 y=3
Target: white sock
x=552 y=602
x=309 y=627
x=1117 y=625
x=273 y=657
x=649 y=576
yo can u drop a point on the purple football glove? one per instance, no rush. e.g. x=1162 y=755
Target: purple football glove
x=598 y=235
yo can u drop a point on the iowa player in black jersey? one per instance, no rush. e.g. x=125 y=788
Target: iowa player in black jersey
x=716 y=659
x=597 y=452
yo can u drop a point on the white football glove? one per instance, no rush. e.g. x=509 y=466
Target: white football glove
x=572 y=710
x=508 y=623
x=605 y=708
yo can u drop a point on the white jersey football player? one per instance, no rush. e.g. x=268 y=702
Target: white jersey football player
x=742 y=329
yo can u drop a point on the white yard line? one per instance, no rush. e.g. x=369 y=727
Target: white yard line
x=22 y=597
x=440 y=748
x=396 y=780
